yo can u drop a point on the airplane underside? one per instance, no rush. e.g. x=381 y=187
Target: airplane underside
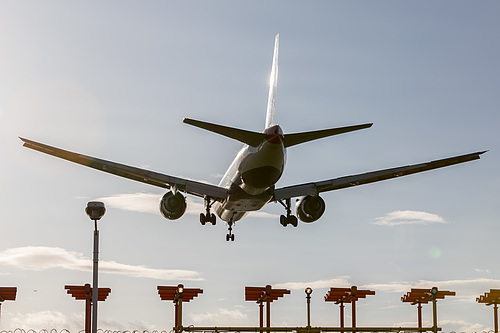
x=249 y=182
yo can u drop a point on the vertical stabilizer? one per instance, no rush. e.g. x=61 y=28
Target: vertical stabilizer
x=273 y=82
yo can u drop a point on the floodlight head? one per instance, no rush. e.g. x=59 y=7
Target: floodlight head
x=180 y=289
x=95 y=210
x=308 y=291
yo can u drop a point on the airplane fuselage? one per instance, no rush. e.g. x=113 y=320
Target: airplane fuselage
x=250 y=176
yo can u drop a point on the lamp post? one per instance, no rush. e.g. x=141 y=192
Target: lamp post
x=95 y=210
x=308 y=297
x=434 y=292
x=180 y=291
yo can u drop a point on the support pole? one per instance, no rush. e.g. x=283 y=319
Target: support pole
x=353 y=314
x=419 y=307
x=434 y=315
x=495 y=316
x=95 y=285
x=342 y=315
x=268 y=312
x=308 y=313
x=179 y=330
x=88 y=307
x=268 y=292
x=261 y=308
x=176 y=315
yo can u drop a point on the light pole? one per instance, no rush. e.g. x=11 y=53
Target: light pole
x=180 y=292
x=308 y=297
x=95 y=210
x=434 y=292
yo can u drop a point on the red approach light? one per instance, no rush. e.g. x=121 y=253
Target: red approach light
x=178 y=294
x=8 y=293
x=424 y=296
x=85 y=293
x=171 y=293
x=347 y=295
x=491 y=298
x=264 y=294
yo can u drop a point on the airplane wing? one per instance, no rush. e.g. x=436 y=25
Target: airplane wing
x=141 y=175
x=315 y=188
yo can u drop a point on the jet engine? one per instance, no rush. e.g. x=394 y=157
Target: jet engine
x=172 y=206
x=310 y=208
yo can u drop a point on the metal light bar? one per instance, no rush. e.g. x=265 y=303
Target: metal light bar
x=308 y=329
x=8 y=293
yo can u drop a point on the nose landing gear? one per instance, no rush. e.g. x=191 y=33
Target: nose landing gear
x=230 y=235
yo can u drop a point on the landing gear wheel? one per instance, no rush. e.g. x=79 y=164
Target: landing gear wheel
x=203 y=219
x=212 y=219
x=289 y=219
x=283 y=220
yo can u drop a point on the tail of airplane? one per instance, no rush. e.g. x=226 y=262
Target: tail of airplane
x=273 y=84
x=254 y=139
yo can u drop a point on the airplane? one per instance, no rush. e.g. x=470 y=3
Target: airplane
x=250 y=181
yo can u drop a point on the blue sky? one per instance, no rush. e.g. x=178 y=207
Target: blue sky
x=115 y=79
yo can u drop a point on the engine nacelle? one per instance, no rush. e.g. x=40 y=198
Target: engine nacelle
x=172 y=206
x=310 y=208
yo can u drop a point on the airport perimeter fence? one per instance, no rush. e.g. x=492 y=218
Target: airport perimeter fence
x=20 y=330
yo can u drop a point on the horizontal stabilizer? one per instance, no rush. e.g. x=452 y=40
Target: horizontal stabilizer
x=297 y=138
x=250 y=138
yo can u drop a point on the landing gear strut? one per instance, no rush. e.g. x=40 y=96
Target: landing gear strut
x=208 y=217
x=289 y=218
x=230 y=235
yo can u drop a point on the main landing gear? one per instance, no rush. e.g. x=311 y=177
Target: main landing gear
x=208 y=217
x=289 y=218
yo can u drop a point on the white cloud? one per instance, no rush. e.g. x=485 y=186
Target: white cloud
x=55 y=320
x=461 y=326
x=341 y=281
x=42 y=258
x=466 y=290
x=136 y=202
x=149 y=203
x=47 y=320
x=220 y=317
x=405 y=217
